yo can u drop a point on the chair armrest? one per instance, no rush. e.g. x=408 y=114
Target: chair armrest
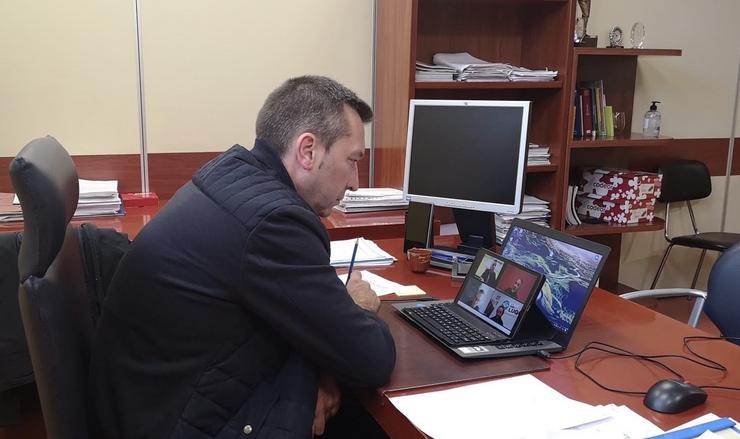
x=701 y=296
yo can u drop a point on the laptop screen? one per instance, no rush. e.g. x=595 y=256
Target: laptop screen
x=498 y=291
x=570 y=271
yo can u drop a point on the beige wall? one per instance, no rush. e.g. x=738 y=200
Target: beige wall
x=697 y=91
x=210 y=65
x=69 y=68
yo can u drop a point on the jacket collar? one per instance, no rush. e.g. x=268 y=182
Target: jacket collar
x=267 y=156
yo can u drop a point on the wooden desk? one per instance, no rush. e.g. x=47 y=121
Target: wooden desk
x=371 y=225
x=607 y=318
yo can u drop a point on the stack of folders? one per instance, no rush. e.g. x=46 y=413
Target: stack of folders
x=97 y=198
x=368 y=253
x=571 y=215
x=432 y=73
x=372 y=199
x=470 y=68
x=538 y=155
x=533 y=209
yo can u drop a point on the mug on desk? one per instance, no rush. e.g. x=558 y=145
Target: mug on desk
x=419 y=258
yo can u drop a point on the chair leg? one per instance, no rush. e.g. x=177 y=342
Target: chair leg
x=698 y=269
x=662 y=264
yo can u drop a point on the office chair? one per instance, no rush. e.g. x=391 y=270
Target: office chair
x=686 y=180
x=720 y=302
x=54 y=303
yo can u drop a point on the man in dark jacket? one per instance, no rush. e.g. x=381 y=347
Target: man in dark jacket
x=224 y=318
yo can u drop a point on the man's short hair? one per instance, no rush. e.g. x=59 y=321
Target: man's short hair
x=312 y=104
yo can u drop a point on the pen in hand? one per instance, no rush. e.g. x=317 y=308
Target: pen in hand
x=352 y=261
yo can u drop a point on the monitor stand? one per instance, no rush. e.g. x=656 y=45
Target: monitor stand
x=476 y=230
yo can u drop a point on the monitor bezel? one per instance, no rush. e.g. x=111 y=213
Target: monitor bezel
x=514 y=208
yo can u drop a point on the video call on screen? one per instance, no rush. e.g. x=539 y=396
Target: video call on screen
x=497 y=292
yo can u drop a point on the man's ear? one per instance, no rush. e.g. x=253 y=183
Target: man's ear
x=307 y=151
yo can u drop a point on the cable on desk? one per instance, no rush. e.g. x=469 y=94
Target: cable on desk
x=654 y=359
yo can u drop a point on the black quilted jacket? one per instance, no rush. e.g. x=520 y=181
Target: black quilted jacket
x=224 y=309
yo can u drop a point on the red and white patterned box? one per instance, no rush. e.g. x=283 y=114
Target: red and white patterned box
x=620 y=184
x=616 y=211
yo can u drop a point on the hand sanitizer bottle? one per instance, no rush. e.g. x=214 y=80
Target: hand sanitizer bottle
x=651 y=122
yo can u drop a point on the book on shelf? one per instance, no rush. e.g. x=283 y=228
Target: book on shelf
x=372 y=199
x=538 y=155
x=571 y=215
x=591 y=119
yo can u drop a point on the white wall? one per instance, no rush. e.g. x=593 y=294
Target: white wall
x=697 y=91
x=69 y=68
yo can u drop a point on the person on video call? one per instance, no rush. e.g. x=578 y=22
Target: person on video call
x=514 y=288
x=478 y=303
x=225 y=318
x=499 y=315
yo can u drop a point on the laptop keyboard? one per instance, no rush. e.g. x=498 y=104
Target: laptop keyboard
x=447 y=325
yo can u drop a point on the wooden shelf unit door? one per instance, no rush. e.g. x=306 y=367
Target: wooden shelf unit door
x=533 y=34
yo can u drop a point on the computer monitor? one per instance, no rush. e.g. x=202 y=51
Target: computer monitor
x=467 y=154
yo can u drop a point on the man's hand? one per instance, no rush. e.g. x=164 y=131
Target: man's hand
x=362 y=294
x=327 y=403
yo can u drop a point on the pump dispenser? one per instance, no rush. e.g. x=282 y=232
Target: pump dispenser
x=651 y=122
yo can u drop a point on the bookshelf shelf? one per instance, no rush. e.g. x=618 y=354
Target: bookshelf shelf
x=629 y=141
x=603 y=51
x=532 y=169
x=614 y=229
x=457 y=85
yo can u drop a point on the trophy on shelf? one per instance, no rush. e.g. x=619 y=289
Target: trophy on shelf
x=581 y=38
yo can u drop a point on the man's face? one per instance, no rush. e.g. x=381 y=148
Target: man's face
x=517 y=284
x=336 y=169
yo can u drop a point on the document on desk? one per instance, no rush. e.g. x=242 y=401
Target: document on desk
x=383 y=286
x=368 y=253
x=517 y=408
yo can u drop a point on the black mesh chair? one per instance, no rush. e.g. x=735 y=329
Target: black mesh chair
x=54 y=304
x=687 y=180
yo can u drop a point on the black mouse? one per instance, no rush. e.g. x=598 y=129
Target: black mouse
x=672 y=396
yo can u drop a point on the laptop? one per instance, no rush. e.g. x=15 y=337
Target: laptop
x=490 y=306
x=571 y=268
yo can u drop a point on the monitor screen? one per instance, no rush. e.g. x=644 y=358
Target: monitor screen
x=467 y=154
x=570 y=272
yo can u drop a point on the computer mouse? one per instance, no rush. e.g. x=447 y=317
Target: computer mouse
x=673 y=396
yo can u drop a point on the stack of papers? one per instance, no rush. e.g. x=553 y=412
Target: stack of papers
x=8 y=211
x=383 y=286
x=431 y=72
x=97 y=198
x=538 y=155
x=470 y=68
x=372 y=199
x=368 y=253
x=524 y=406
x=533 y=209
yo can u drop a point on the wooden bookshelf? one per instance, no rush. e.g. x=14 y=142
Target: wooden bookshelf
x=613 y=229
x=496 y=31
x=624 y=141
x=605 y=51
x=456 y=85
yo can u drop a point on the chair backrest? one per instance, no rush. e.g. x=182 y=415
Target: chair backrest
x=53 y=299
x=723 y=300
x=684 y=180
